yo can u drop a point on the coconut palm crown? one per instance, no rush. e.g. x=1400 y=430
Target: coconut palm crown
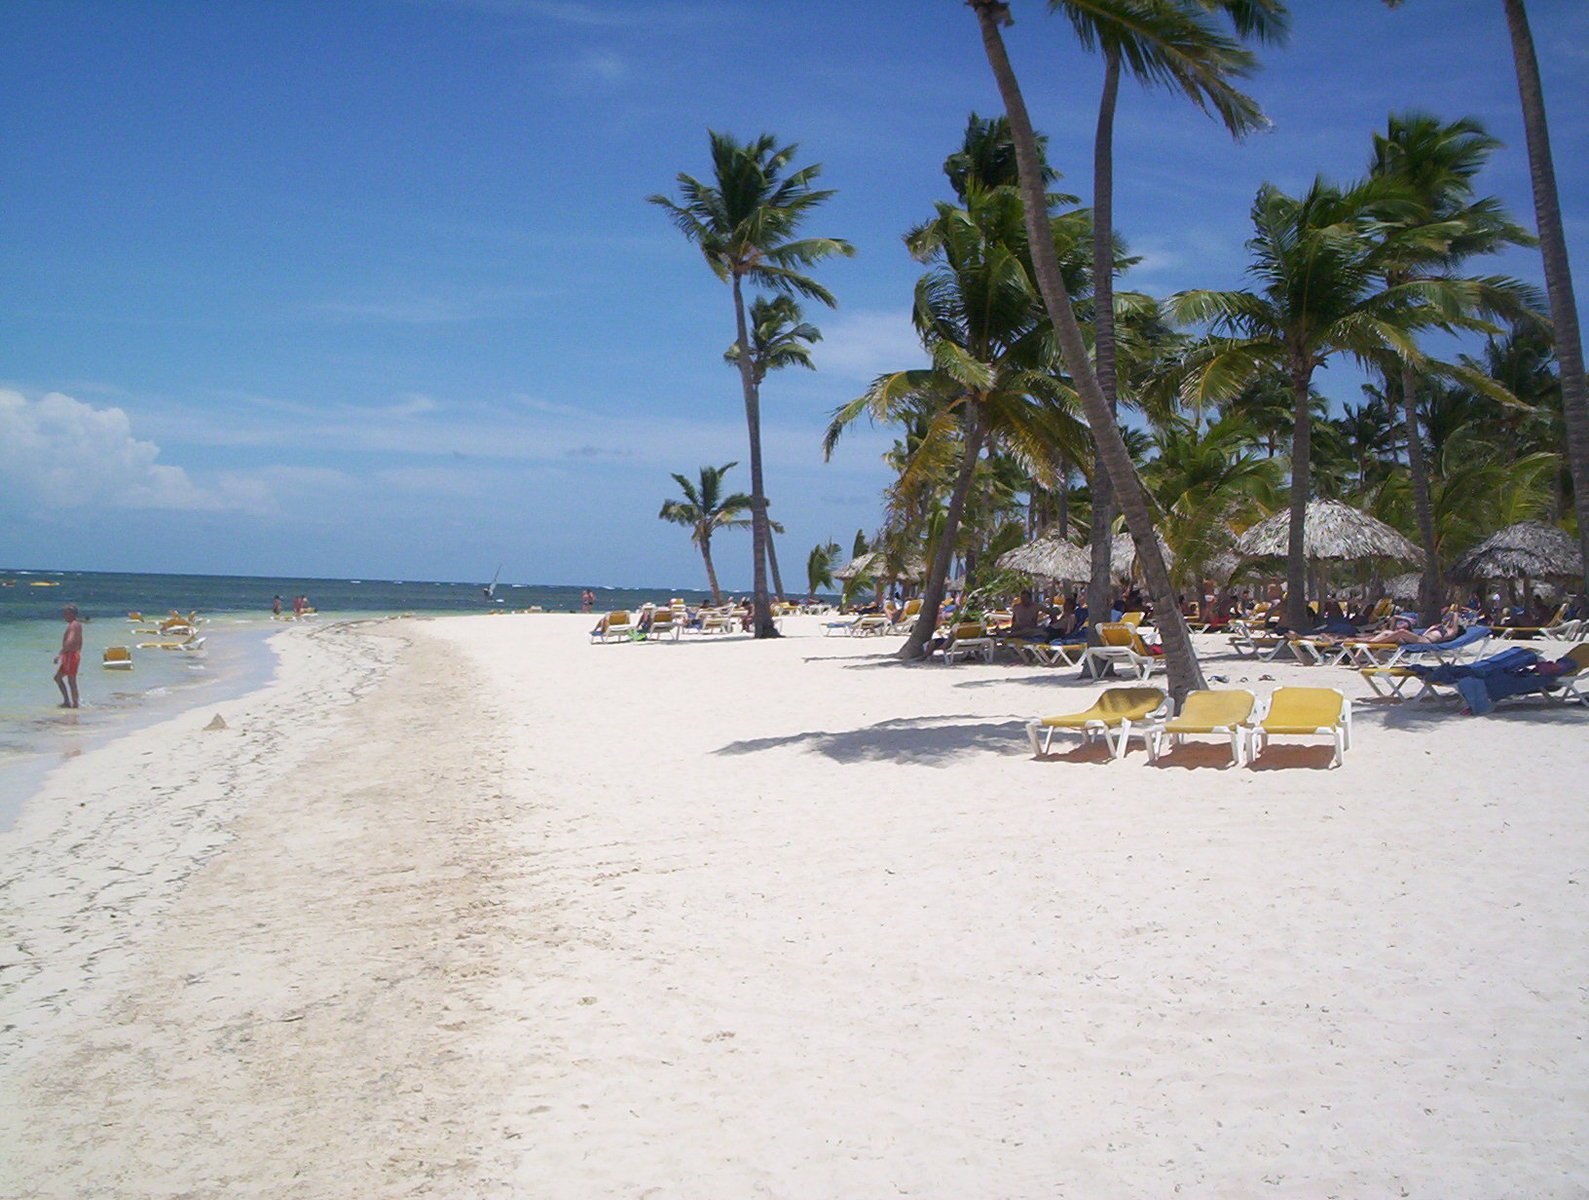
x=703 y=511
x=745 y=223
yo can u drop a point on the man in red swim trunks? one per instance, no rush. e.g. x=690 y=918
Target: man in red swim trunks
x=70 y=656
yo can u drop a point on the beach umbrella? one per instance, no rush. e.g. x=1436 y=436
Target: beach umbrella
x=1404 y=587
x=873 y=565
x=1049 y=557
x=1123 y=554
x=1527 y=550
x=1331 y=531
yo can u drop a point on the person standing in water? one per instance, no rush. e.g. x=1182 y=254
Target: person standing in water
x=275 y=606
x=70 y=657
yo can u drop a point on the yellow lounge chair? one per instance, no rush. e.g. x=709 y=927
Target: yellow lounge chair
x=663 y=625
x=1304 y=711
x=1115 y=712
x=615 y=627
x=1210 y=711
x=969 y=640
x=1133 y=619
x=1122 y=646
x=117 y=658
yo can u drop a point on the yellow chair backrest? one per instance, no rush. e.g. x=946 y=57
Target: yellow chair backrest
x=117 y=654
x=1304 y=708
x=662 y=616
x=1129 y=703
x=969 y=630
x=912 y=607
x=1118 y=633
x=1132 y=619
x=1580 y=655
x=617 y=618
x=1230 y=706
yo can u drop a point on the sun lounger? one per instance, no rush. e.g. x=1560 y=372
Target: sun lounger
x=664 y=627
x=614 y=627
x=1211 y=711
x=969 y=640
x=1253 y=643
x=1304 y=712
x=117 y=658
x=1121 y=646
x=1311 y=652
x=907 y=617
x=1114 y=716
x=1513 y=672
x=1465 y=647
x=1043 y=652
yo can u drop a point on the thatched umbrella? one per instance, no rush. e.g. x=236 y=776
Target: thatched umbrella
x=874 y=565
x=1049 y=558
x=1123 y=554
x=1528 y=551
x=1404 y=587
x=1331 y=531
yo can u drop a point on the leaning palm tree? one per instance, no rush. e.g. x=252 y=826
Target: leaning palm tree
x=978 y=316
x=1558 y=271
x=1320 y=261
x=779 y=337
x=1175 y=44
x=1435 y=163
x=703 y=511
x=1110 y=447
x=744 y=221
x=819 y=567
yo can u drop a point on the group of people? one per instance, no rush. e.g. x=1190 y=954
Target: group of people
x=300 y=605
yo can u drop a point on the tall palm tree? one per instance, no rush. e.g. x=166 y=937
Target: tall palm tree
x=1558 y=270
x=977 y=314
x=779 y=337
x=744 y=221
x=1321 y=263
x=819 y=566
x=1175 y=44
x=1435 y=164
x=703 y=511
x=1110 y=447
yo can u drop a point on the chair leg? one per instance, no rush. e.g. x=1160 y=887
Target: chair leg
x=1031 y=735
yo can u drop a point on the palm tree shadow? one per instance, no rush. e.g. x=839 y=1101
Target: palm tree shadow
x=923 y=741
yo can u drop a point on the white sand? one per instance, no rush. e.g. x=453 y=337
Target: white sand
x=726 y=919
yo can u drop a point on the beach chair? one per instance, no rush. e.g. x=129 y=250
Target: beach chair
x=1465 y=647
x=614 y=627
x=1133 y=619
x=1249 y=642
x=1304 y=712
x=1121 y=646
x=1114 y=716
x=907 y=616
x=1548 y=629
x=719 y=620
x=664 y=626
x=1056 y=652
x=1205 y=711
x=969 y=640
x=117 y=658
x=1311 y=652
x=1389 y=683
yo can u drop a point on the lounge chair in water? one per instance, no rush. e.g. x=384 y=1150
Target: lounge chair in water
x=1121 y=646
x=1304 y=712
x=117 y=658
x=1212 y=711
x=1114 y=716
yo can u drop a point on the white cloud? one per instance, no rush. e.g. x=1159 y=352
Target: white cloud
x=58 y=452
x=863 y=345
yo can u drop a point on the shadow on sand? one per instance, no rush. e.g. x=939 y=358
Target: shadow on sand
x=925 y=741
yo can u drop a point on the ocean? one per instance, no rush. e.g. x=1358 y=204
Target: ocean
x=36 y=734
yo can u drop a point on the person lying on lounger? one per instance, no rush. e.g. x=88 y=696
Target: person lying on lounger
x=1402 y=633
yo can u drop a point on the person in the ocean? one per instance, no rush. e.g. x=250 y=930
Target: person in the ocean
x=70 y=657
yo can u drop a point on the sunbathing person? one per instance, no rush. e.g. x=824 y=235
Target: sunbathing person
x=1402 y=633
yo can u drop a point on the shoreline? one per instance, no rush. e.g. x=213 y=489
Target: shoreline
x=472 y=907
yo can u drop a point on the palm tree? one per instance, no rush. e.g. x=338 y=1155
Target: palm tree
x=704 y=510
x=779 y=337
x=1180 y=659
x=1435 y=163
x=1321 y=265
x=744 y=222
x=1174 y=44
x=819 y=566
x=977 y=315
x=1558 y=271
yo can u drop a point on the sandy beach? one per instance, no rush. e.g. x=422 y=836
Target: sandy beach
x=468 y=907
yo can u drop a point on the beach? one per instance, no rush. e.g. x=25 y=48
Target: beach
x=468 y=907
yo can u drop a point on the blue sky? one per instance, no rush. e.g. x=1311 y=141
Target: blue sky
x=370 y=288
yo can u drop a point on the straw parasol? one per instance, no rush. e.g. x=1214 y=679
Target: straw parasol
x=1527 y=550
x=873 y=565
x=1123 y=554
x=1048 y=557
x=1330 y=531
x=1404 y=587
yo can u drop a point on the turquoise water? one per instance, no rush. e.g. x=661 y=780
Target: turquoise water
x=36 y=734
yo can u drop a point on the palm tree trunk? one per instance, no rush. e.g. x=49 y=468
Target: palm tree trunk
x=1062 y=518
x=711 y=571
x=1180 y=659
x=761 y=621
x=1558 y=274
x=1100 y=588
x=1301 y=484
x=772 y=565
x=1429 y=586
x=915 y=646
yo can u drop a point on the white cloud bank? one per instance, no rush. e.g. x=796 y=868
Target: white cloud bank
x=57 y=452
